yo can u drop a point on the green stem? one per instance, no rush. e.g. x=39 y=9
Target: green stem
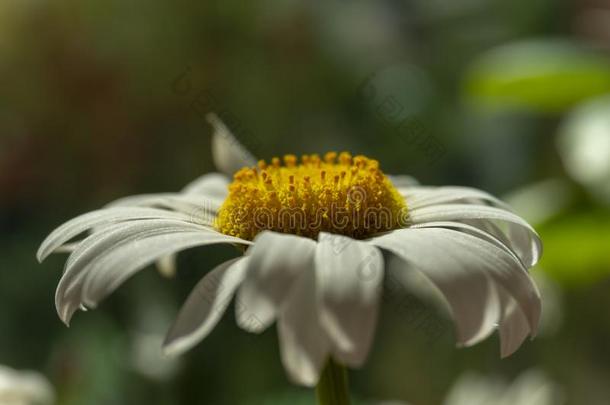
x=332 y=389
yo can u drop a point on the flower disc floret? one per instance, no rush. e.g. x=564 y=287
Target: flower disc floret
x=338 y=194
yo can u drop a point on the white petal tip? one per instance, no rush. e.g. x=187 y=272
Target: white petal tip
x=249 y=322
x=65 y=314
x=174 y=348
x=42 y=254
x=167 y=275
x=308 y=378
x=506 y=352
x=247 y=326
x=307 y=383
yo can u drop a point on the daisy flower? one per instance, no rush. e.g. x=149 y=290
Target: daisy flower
x=318 y=235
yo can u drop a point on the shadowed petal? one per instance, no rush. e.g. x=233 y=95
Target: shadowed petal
x=68 y=294
x=304 y=345
x=513 y=325
x=276 y=261
x=469 y=293
x=115 y=266
x=102 y=217
x=131 y=241
x=472 y=230
x=167 y=266
x=461 y=266
x=349 y=275
x=419 y=197
x=205 y=306
x=195 y=206
x=208 y=194
x=523 y=239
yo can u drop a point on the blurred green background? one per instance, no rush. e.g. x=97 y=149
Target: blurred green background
x=104 y=99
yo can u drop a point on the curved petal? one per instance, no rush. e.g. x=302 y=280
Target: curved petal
x=68 y=292
x=462 y=273
x=114 y=267
x=513 y=325
x=524 y=240
x=131 y=237
x=469 y=293
x=205 y=306
x=472 y=230
x=276 y=261
x=229 y=155
x=167 y=266
x=200 y=208
x=304 y=345
x=102 y=217
x=349 y=275
x=419 y=197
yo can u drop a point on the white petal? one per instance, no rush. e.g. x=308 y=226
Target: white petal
x=117 y=265
x=418 y=197
x=68 y=293
x=472 y=230
x=67 y=248
x=349 y=275
x=229 y=155
x=468 y=291
x=167 y=266
x=276 y=261
x=513 y=325
x=461 y=265
x=518 y=244
x=212 y=185
x=97 y=218
x=178 y=201
x=199 y=208
x=524 y=240
x=402 y=277
x=205 y=306
x=119 y=251
x=304 y=345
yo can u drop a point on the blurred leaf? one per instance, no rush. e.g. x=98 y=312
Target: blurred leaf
x=577 y=249
x=540 y=75
x=584 y=146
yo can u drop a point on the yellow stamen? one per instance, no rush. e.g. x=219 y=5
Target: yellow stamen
x=350 y=196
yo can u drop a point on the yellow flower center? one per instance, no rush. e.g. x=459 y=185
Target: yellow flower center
x=339 y=194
